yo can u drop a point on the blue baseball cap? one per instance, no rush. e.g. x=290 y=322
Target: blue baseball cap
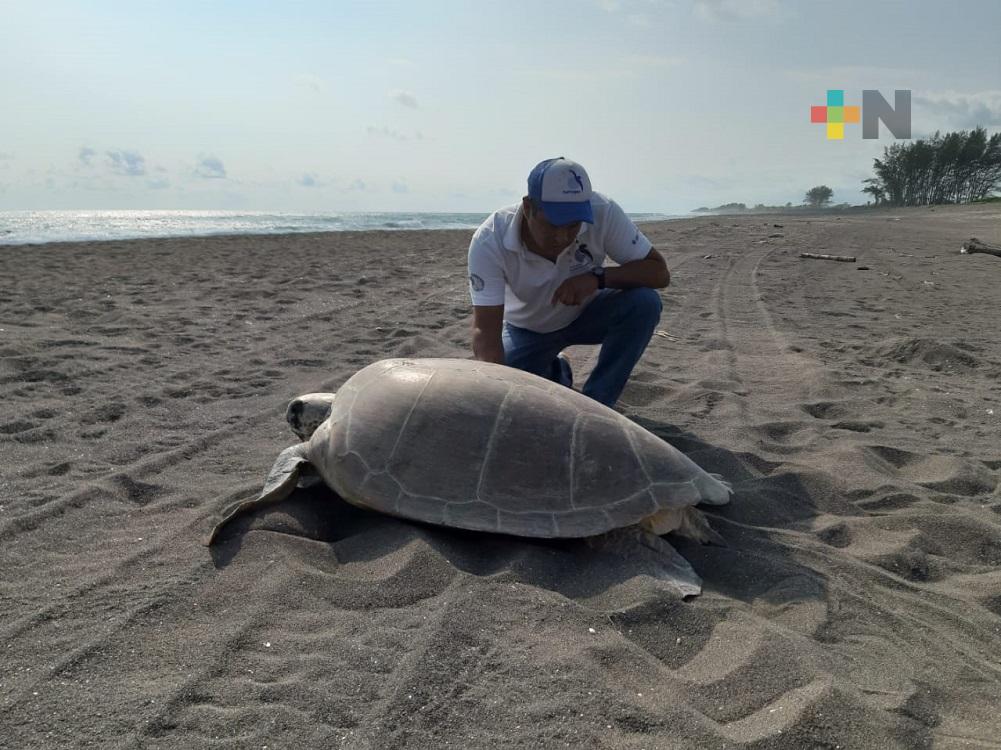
x=563 y=189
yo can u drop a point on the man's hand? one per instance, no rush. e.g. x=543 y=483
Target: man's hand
x=488 y=322
x=575 y=290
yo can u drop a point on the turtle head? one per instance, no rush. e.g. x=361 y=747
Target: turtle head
x=306 y=413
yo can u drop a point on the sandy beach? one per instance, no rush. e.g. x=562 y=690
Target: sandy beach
x=855 y=407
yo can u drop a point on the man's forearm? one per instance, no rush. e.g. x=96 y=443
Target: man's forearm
x=486 y=349
x=648 y=272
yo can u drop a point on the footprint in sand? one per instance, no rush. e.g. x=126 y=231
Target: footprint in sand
x=105 y=413
x=138 y=492
x=937 y=472
x=825 y=410
x=857 y=426
x=18 y=425
x=642 y=394
x=888 y=502
x=836 y=535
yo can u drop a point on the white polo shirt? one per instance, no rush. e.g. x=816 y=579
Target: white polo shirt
x=502 y=271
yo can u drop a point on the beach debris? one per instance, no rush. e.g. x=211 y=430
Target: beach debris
x=455 y=442
x=823 y=256
x=778 y=226
x=704 y=257
x=665 y=335
x=777 y=234
x=973 y=245
x=862 y=268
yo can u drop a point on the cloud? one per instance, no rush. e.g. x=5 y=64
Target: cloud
x=701 y=182
x=400 y=187
x=624 y=66
x=853 y=77
x=312 y=82
x=127 y=163
x=405 y=98
x=503 y=192
x=158 y=183
x=632 y=6
x=4 y=156
x=716 y=11
x=85 y=155
x=385 y=132
x=309 y=180
x=962 y=110
x=210 y=168
x=357 y=185
x=653 y=61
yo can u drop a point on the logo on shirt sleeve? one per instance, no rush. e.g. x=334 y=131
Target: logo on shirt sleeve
x=636 y=238
x=582 y=254
x=476 y=282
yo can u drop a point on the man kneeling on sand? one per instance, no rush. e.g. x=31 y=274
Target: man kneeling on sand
x=538 y=282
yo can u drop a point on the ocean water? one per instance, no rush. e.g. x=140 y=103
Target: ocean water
x=23 y=227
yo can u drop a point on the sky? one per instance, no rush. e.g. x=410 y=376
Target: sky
x=446 y=106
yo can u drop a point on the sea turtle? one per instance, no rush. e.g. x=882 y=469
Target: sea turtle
x=481 y=446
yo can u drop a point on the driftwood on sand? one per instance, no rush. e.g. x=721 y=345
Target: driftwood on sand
x=822 y=256
x=973 y=245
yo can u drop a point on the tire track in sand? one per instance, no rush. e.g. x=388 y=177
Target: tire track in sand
x=750 y=354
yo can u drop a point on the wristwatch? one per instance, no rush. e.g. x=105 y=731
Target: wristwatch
x=599 y=272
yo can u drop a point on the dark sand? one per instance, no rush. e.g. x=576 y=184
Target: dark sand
x=857 y=412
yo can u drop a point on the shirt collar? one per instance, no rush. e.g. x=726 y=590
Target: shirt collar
x=512 y=237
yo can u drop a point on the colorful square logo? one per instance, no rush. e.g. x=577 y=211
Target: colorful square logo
x=835 y=114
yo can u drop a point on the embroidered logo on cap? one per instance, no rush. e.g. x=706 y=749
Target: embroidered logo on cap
x=571 y=179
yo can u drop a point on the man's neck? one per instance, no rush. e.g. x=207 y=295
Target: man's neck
x=529 y=243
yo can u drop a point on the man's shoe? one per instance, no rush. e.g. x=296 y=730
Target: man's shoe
x=566 y=371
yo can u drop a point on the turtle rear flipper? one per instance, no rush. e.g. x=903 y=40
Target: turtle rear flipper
x=282 y=479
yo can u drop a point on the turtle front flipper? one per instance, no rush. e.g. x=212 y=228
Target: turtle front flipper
x=281 y=481
x=676 y=569
x=665 y=561
x=686 y=521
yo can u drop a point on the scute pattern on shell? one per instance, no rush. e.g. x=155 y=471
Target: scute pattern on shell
x=486 y=447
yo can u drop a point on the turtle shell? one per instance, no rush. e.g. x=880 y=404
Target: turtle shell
x=486 y=447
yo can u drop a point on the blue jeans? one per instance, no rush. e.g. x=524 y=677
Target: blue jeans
x=621 y=320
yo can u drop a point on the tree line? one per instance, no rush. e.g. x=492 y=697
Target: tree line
x=956 y=167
